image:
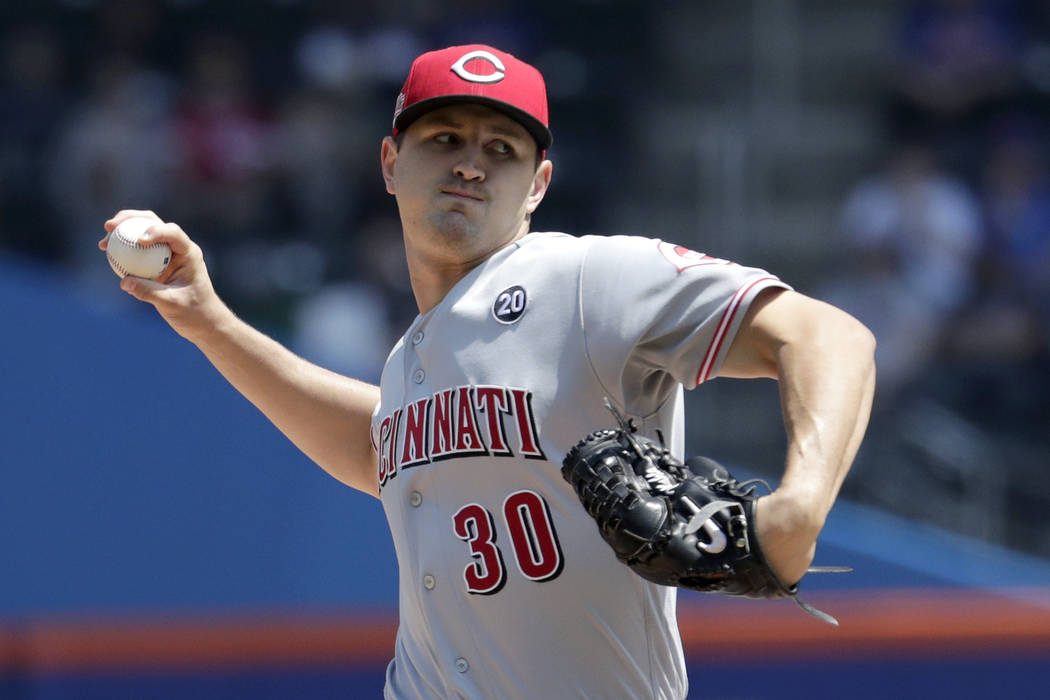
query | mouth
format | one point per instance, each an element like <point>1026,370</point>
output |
<point>463,195</point>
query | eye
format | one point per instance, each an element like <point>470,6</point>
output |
<point>446,138</point>
<point>502,148</point>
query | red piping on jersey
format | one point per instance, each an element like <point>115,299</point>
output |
<point>723,327</point>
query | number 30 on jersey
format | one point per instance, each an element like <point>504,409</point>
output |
<point>533,542</point>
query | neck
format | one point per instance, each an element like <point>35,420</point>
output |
<point>434,273</point>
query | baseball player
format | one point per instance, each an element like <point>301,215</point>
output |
<point>506,588</point>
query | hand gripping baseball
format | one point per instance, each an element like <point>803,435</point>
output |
<point>690,525</point>
<point>183,293</point>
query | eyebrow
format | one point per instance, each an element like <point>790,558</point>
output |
<point>493,125</point>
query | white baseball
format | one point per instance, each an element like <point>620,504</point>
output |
<point>127,257</point>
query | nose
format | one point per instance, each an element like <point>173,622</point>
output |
<point>468,169</point>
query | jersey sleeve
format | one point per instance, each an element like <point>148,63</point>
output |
<point>656,314</point>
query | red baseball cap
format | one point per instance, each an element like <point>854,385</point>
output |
<point>479,74</point>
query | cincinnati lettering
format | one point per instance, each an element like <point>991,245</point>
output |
<point>463,421</point>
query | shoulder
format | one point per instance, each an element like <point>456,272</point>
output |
<point>643,256</point>
<point>539,241</point>
<point>561,251</point>
<point>589,244</point>
<point>548,251</point>
<point>555,240</point>
<point>620,242</point>
<point>653,256</point>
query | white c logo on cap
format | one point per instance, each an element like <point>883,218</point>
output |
<point>458,68</point>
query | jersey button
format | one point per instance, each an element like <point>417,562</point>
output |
<point>429,582</point>
<point>462,665</point>
<point>418,376</point>
<point>417,338</point>
<point>415,498</point>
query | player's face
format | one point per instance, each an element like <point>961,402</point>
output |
<point>466,179</point>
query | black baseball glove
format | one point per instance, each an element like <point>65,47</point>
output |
<point>690,525</point>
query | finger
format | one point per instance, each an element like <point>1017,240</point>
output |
<point>179,268</point>
<point>142,289</point>
<point>104,243</point>
<point>112,223</point>
<point>169,233</point>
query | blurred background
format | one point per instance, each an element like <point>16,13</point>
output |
<point>159,539</point>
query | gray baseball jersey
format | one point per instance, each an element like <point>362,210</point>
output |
<point>506,588</point>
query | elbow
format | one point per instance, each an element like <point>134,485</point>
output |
<point>859,342</point>
<point>836,334</point>
<point>863,341</point>
<point>807,329</point>
<point>869,342</point>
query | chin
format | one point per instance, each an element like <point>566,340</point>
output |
<point>454,227</point>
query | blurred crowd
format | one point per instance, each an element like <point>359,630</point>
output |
<point>256,125</point>
<point>254,128</point>
<point>948,250</point>
<point>949,241</point>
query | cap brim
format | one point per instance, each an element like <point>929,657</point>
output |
<point>536,129</point>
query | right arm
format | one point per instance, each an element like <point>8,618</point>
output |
<point>326,415</point>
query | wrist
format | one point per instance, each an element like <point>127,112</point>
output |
<point>211,326</point>
<point>795,512</point>
<point>787,534</point>
<point>807,497</point>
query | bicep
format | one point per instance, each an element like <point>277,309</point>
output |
<point>361,466</point>
<point>335,429</point>
<point>752,354</point>
<point>779,317</point>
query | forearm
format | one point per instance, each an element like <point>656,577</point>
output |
<point>325,414</point>
<point>827,380</point>
<point>823,360</point>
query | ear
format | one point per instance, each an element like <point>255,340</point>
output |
<point>540,182</point>
<point>388,156</point>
